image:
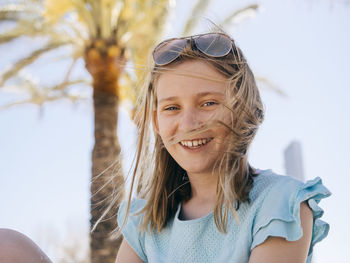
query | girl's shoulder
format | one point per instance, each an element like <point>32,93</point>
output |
<point>136,205</point>
<point>129,221</point>
<point>276,200</point>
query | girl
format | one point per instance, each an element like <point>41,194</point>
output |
<point>201,201</point>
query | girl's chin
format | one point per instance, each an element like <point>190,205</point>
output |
<point>190,169</point>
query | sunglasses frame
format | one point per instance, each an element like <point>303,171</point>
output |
<point>192,40</point>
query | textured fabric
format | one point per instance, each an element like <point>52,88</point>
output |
<point>273,211</point>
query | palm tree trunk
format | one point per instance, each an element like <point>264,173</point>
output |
<point>106,152</point>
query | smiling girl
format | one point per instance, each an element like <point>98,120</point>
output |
<point>199,200</point>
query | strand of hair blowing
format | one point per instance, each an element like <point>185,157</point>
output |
<point>167,178</point>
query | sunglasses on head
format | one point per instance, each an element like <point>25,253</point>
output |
<point>211,44</point>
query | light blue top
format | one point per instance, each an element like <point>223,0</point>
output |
<point>273,211</point>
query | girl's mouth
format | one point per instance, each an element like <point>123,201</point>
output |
<point>195,143</point>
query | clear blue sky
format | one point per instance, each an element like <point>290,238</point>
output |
<point>301,46</point>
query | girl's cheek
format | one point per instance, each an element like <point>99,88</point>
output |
<point>165,123</point>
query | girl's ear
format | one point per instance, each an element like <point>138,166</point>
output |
<point>155,121</point>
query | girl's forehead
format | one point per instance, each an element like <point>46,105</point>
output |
<point>190,77</point>
<point>196,68</point>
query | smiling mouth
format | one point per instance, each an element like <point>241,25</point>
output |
<point>196,143</point>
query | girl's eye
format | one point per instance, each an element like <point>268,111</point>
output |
<point>210,103</point>
<point>171,108</point>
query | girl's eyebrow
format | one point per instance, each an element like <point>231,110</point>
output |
<point>199,95</point>
<point>168,99</point>
<point>205,93</point>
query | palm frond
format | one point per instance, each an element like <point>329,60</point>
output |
<point>63,91</point>
<point>140,34</point>
<point>39,95</point>
<point>101,11</point>
<point>22,28</point>
<point>106,8</point>
<point>74,29</point>
<point>196,14</point>
<point>115,13</point>
<point>94,8</point>
<point>76,54</point>
<point>16,103</point>
<point>86,15</point>
<point>13,12</point>
<point>239,15</point>
<point>20,64</point>
<point>54,10</point>
<point>65,84</point>
<point>69,72</point>
<point>32,29</point>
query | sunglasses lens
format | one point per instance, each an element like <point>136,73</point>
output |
<point>168,51</point>
<point>214,45</point>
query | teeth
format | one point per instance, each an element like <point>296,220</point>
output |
<point>195,143</point>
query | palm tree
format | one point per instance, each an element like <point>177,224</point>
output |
<point>107,35</point>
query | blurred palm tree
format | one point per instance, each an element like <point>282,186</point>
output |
<point>107,35</point>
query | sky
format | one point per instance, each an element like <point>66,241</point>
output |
<point>300,46</point>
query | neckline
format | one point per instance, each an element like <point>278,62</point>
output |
<point>191,221</point>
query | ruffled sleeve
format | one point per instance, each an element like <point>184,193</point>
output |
<point>130,231</point>
<point>279,214</point>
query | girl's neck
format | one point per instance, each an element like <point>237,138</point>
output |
<point>203,187</point>
<point>203,196</point>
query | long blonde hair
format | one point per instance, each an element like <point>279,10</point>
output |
<point>159,178</point>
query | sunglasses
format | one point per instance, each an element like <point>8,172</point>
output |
<point>211,44</point>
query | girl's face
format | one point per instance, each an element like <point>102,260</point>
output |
<point>186,103</point>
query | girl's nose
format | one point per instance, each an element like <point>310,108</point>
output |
<point>189,121</point>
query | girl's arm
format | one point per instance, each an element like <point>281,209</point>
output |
<point>126,254</point>
<point>16,247</point>
<point>278,249</point>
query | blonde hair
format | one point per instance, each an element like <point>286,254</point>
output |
<point>160,179</point>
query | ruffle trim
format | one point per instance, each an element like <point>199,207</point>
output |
<point>289,225</point>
